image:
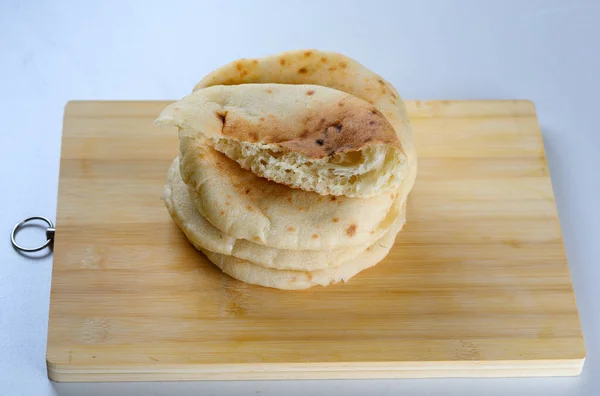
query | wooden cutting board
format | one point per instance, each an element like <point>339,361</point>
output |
<point>477,284</point>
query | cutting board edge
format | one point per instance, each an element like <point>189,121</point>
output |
<point>279,371</point>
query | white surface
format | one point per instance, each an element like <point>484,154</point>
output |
<point>51,52</point>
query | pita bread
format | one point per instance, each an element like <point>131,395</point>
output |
<point>328,69</point>
<point>246,206</point>
<point>305,136</point>
<point>295,280</point>
<point>205,236</point>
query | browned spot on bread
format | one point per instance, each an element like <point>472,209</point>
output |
<point>282,62</point>
<point>310,92</point>
<point>300,209</point>
<point>319,142</point>
<point>256,238</point>
<point>392,196</point>
<point>289,199</point>
<point>309,275</point>
<point>351,231</point>
<point>247,191</point>
<point>222,213</point>
<point>227,204</point>
<point>253,136</point>
<point>307,53</point>
<point>238,66</point>
<point>336,220</point>
<point>255,61</point>
<point>244,73</point>
<point>343,65</point>
<point>315,236</point>
<point>380,81</point>
<point>372,232</point>
<point>369,248</point>
<point>332,68</point>
<point>303,70</point>
<point>291,229</point>
<point>304,133</point>
<point>371,123</point>
<point>262,118</point>
<point>333,198</point>
<point>323,59</point>
<point>294,278</point>
<point>249,208</point>
<point>341,104</point>
<point>222,116</point>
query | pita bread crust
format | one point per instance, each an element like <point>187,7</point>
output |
<point>205,236</point>
<point>296,280</point>
<point>312,120</point>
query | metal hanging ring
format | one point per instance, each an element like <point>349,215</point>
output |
<point>49,234</point>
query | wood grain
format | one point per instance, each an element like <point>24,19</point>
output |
<point>477,284</point>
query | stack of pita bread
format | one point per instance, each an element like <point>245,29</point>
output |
<point>293,169</point>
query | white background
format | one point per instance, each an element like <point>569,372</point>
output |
<point>55,51</point>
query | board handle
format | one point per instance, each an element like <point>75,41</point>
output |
<point>50,232</point>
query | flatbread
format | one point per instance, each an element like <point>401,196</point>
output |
<point>331,70</point>
<point>304,136</point>
<point>295,280</point>
<point>207,237</point>
<point>245,206</point>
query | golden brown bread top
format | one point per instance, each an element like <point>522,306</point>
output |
<point>312,120</point>
<point>305,67</point>
<point>325,68</point>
